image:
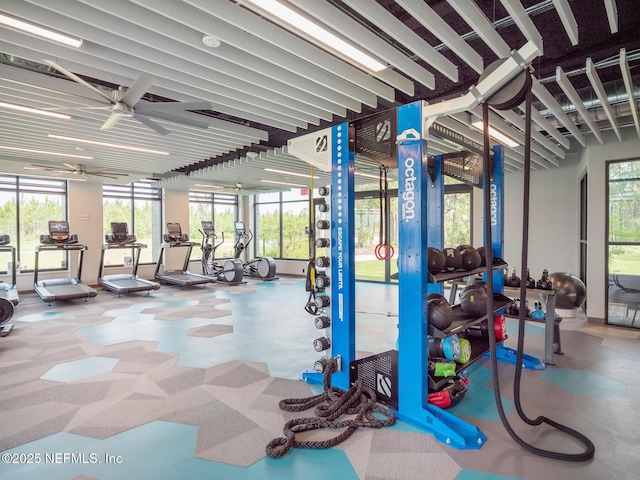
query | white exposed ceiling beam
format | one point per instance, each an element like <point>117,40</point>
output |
<point>521,18</point>
<point>628,85</point>
<point>519,122</point>
<point>572,95</point>
<point>477,20</point>
<point>612,14</point>
<point>547,126</point>
<point>79,18</point>
<point>513,133</point>
<point>380,16</point>
<point>452,123</point>
<point>186,43</point>
<point>568,19</point>
<point>597,86</point>
<point>243,42</point>
<point>360,35</point>
<point>545,97</point>
<point>249,22</point>
<point>432,21</point>
<point>114,71</point>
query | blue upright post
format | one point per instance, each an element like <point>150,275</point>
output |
<point>343,279</point>
<point>497,211</point>
<point>412,264</point>
<point>496,208</point>
<point>419,202</point>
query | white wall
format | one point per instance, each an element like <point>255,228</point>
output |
<point>553,219</point>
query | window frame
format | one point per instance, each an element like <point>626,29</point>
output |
<point>19,184</point>
<point>142,190</point>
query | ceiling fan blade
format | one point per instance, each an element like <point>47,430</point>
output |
<point>114,176</point>
<point>137,89</point>
<point>71,167</point>
<point>46,168</point>
<point>171,107</point>
<point>64,109</point>
<point>151,124</point>
<point>76,78</point>
<point>111,121</point>
<point>174,118</point>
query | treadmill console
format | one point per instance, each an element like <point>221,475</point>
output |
<point>5,239</point>
<point>174,234</point>
<point>58,234</point>
<point>120,234</point>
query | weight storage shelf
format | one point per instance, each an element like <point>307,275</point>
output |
<point>498,264</point>
<point>462,320</point>
<point>479,347</point>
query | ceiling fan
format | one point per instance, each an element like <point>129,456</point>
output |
<point>77,169</point>
<point>124,102</point>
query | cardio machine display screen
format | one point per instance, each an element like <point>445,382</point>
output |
<point>239,227</point>
<point>58,229</point>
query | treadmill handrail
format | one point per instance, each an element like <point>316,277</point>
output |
<point>79,247</point>
<point>120,246</point>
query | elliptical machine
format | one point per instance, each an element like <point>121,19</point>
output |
<point>261,267</point>
<point>232,271</point>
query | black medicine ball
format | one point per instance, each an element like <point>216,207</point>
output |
<point>436,260</point>
<point>470,258</point>
<point>483,255</point>
<point>440,312</point>
<point>473,300</point>
<point>453,259</point>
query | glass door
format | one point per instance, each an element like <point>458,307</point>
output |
<point>623,243</point>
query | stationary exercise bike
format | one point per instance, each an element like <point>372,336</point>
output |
<point>261,267</point>
<point>232,271</point>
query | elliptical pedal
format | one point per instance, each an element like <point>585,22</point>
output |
<point>6,329</point>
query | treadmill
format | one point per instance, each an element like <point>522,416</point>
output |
<point>9,291</point>
<point>174,238</point>
<point>125,282</point>
<point>56,289</point>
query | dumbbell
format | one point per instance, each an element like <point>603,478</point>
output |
<point>482,330</point>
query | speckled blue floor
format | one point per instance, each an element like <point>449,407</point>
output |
<point>185,384</point>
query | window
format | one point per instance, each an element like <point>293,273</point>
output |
<point>281,220</point>
<point>26,206</point>
<point>623,242</point>
<point>222,210</point>
<point>457,213</point>
<point>139,204</point>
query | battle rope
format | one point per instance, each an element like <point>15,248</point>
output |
<point>589,451</point>
<point>360,400</point>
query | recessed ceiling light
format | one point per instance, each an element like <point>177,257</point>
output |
<point>496,135</point>
<point>105,144</point>
<point>40,31</point>
<point>273,170</point>
<point>211,41</point>
<point>321,34</point>
<point>22,108</point>
<point>44,152</point>
<point>284,183</point>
